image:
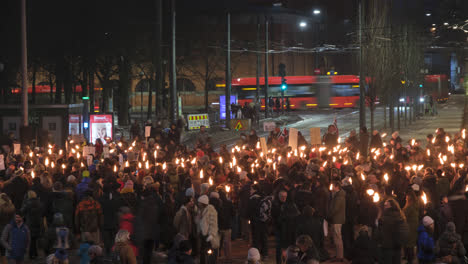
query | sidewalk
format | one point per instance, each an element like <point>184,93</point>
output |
<point>451,117</point>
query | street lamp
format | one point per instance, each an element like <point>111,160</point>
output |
<point>303,24</point>
<point>446,24</point>
<point>316,11</point>
<point>428,14</point>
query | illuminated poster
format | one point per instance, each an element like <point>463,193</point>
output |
<point>222,106</point>
<point>100,127</point>
<point>75,125</point>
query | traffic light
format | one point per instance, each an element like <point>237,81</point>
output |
<point>420,85</point>
<point>284,85</point>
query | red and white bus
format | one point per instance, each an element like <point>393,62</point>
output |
<point>303,92</point>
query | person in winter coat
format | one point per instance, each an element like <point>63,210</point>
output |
<point>411,211</point>
<point>363,141</point>
<point>392,221</point>
<point>367,215</point>
<point>259,227</point>
<point>128,195</point>
<point>225,217</point>
<point>7,212</point>
<point>208,230</point>
<point>58,236</point>
<point>123,249</point>
<point>351,213</point>
<point>284,214</point>
<point>426,245</point>
<point>376,140</point>
<point>309,253</point>
<point>16,239</point>
<point>33,211</point>
<point>60,202</point>
<point>110,202</point>
<point>310,224</point>
<point>364,248</point>
<point>183,220</point>
<point>88,217</point>
<point>148,222</point>
<point>83,186</point>
<point>16,188</point>
<point>337,217</point>
<point>450,247</point>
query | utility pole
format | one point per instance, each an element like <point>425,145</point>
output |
<point>24,65</point>
<point>258,103</point>
<point>228,70</point>
<point>362,89</point>
<point>158,58</point>
<point>266,67</point>
<point>174,114</point>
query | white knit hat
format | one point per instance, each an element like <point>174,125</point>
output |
<point>253,255</point>
<point>427,221</point>
<point>204,199</point>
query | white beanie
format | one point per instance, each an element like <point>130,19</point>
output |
<point>253,255</point>
<point>214,195</point>
<point>415,187</point>
<point>427,221</point>
<point>190,192</point>
<point>203,199</point>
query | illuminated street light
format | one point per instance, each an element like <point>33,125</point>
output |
<point>317,12</point>
<point>446,24</point>
<point>303,24</point>
<point>428,14</point>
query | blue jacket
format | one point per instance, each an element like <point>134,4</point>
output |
<point>16,240</point>
<point>82,187</point>
<point>83,253</point>
<point>426,245</point>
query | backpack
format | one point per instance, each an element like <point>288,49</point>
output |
<point>65,207</point>
<point>265,209</point>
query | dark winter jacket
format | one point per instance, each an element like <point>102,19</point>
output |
<point>459,207</point>
<point>110,203</point>
<point>303,198</point>
<point>16,240</point>
<point>16,190</point>
<point>226,214</point>
<point>368,212</point>
<point>284,217</point>
<point>389,227</point>
<point>33,211</point>
<point>337,213</point>
<point>450,243</point>
<point>364,249</point>
<point>61,202</point>
<point>311,226</point>
<point>376,141</point>
<point>412,218</point>
<point>149,216</point>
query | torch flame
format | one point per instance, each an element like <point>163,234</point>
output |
<point>376,197</point>
<point>228,188</point>
<point>201,174</point>
<point>386,177</point>
<point>424,198</point>
<point>370,192</point>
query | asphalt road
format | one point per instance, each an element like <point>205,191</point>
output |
<point>449,117</point>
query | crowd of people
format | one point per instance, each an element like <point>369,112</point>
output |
<point>367,199</point>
